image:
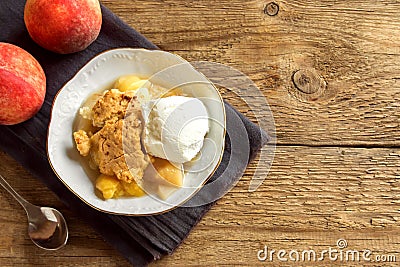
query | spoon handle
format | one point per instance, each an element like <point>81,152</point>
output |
<point>11,190</point>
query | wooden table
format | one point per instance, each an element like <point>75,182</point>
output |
<point>330,71</point>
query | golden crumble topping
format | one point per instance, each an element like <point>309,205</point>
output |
<point>105,147</point>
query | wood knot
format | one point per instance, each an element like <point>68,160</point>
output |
<point>271,9</point>
<point>308,81</point>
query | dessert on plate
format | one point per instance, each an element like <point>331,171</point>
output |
<point>138,136</point>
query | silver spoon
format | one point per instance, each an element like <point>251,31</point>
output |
<point>47,227</point>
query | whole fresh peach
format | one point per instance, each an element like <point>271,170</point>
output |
<point>22,85</point>
<point>63,26</point>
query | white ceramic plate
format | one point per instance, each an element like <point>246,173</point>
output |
<point>168,70</point>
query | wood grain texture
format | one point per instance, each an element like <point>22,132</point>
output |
<point>310,199</point>
<point>353,45</point>
<point>336,168</point>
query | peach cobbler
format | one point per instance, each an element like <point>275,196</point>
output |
<point>100,138</point>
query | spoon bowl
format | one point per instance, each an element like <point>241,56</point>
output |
<point>47,227</point>
<point>49,230</point>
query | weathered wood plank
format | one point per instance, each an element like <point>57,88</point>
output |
<point>353,45</point>
<point>311,197</point>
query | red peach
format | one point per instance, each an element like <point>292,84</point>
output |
<point>22,85</point>
<point>63,26</point>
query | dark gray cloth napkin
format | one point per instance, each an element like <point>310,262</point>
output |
<point>139,239</point>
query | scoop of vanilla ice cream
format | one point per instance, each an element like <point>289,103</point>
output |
<point>175,127</point>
